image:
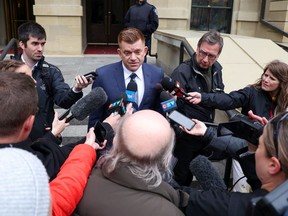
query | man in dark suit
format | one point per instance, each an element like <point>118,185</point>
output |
<point>114,78</point>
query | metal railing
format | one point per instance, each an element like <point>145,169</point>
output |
<point>12,44</point>
<point>267,23</point>
<point>185,47</point>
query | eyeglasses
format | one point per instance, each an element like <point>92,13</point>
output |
<point>276,125</point>
<point>203,54</point>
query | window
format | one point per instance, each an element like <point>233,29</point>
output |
<point>211,14</point>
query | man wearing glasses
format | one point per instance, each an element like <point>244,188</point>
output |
<point>201,73</point>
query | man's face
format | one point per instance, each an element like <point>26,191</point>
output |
<point>132,55</point>
<point>207,54</point>
<point>34,48</point>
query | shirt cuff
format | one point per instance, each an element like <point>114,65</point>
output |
<point>75,90</point>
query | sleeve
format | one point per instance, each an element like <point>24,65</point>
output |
<point>67,188</point>
<point>226,144</point>
<point>153,21</point>
<point>99,113</point>
<point>208,202</point>
<point>127,19</point>
<point>224,101</point>
<point>63,94</point>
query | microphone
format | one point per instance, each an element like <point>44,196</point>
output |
<point>131,92</point>
<point>206,174</point>
<point>86,105</point>
<point>118,107</point>
<point>173,87</point>
<point>168,103</point>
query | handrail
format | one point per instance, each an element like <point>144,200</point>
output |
<point>12,43</point>
<point>267,23</point>
<point>184,45</point>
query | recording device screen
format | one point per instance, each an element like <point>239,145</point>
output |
<point>100,133</point>
<point>181,119</point>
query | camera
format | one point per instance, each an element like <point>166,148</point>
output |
<point>241,126</point>
<point>274,203</point>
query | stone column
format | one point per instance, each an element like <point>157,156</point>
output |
<point>63,22</point>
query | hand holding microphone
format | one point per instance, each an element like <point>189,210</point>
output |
<point>86,105</point>
<point>174,88</point>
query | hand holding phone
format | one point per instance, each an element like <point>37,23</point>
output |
<point>181,119</point>
<point>91,75</point>
<point>100,133</point>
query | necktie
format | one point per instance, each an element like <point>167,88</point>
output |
<point>135,89</point>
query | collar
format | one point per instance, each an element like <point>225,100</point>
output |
<point>33,67</point>
<point>123,176</point>
<point>21,145</point>
<point>127,72</point>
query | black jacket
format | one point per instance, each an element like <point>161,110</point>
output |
<point>144,17</point>
<point>51,89</point>
<point>192,80</point>
<point>220,203</point>
<point>47,149</point>
<point>248,98</point>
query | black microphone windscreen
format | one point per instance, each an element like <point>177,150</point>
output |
<point>206,174</point>
<point>132,86</point>
<point>86,105</point>
<point>158,87</point>
<point>168,83</point>
<point>164,96</point>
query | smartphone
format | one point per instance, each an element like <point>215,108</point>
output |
<point>100,132</point>
<point>181,119</point>
<point>91,75</point>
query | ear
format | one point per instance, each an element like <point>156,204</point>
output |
<point>145,50</point>
<point>21,45</point>
<point>27,127</point>
<point>119,51</point>
<point>274,166</point>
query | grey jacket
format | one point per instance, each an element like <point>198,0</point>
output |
<point>121,193</point>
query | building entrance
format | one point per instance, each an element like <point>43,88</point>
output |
<point>105,20</point>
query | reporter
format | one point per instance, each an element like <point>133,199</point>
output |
<point>271,167</point>
<point>266,98</point>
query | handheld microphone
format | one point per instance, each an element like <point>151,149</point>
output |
<point>86,105</point>
<point>131,92</point>
<point>118,107</point>
<point>168,103</point>
<point>206,174</point>
<point>173,87</point>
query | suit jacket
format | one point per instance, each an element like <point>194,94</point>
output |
<point>111,79</point>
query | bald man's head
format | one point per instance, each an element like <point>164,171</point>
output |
<point>145,135</point>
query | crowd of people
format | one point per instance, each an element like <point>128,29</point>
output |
<point>141,165</point>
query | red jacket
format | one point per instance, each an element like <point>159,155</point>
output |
<point>67,188</point>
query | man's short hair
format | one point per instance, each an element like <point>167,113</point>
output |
<point>30,29</point>
<point>212,37</point>
<point>130,35</point>
<point>18,101</point>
